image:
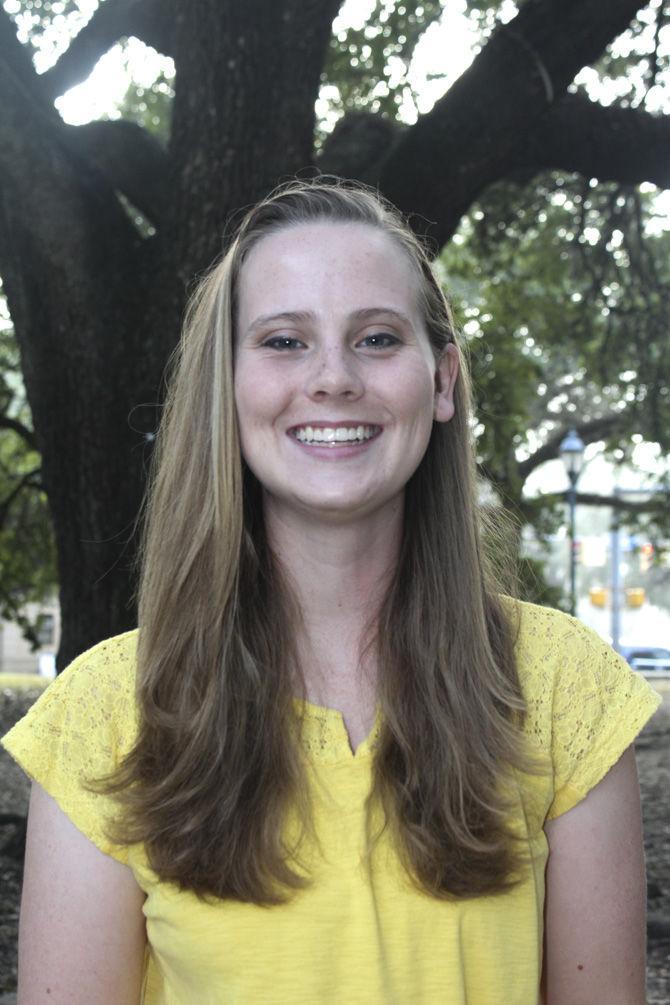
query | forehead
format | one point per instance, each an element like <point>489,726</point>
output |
<point>320,264</point>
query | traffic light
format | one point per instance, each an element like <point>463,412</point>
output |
<point>646,556</point>
<point>635,597</point>
<point>598,595</point>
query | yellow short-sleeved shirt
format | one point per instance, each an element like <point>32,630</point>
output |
<point>360,936</point>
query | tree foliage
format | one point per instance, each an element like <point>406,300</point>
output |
<point>566,278</point>
<point>27,552</point>
<point>367,67</point>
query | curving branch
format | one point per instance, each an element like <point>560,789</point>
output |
<point>450,155</point>
<point>16,58</point>
<point>618,503</point>
<point>130,158</point>
<point>615,503</point>
<point>50,197</point>
<point>590,432</point>
<point>26,434</point>
<point>358,144</point>
<point>151,21</point>
<point>627,145</point>
<point>45,152</point>
<point>26,481</point>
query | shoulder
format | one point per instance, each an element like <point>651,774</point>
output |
<point>79,730</point>
<point>545,632</point>
<point>112,662</point>
<point>102,678</point>
<point>553,649</point>
<point>584,704</point>
<point>92,700</point>
<point>572,680</point>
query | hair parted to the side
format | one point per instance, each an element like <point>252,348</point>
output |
<point>218,765</point>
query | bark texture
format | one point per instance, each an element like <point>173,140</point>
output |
<point>97,306</point>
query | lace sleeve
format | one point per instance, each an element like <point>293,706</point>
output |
<point>78,730</point>
<point>599,707</point>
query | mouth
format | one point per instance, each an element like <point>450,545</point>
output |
<point>339,435</point>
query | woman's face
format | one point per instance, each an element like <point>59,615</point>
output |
<point>336,384</point>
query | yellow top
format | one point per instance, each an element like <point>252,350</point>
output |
<point>360,936</point>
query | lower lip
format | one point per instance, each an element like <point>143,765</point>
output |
<point>338,452</point>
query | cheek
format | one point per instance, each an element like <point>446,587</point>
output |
<point>243,397</point>
<point>250,390</point>
<point>260,398</point>
<point>416,392</point>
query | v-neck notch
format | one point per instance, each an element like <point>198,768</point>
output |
<point>325,735</point>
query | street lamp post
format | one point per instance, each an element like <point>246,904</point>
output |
<point>571,452</point>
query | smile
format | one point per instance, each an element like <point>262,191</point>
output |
<point>333,436</point>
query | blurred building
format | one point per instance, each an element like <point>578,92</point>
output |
<point>16,655</point>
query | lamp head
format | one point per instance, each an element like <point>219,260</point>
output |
<point>571,452</point>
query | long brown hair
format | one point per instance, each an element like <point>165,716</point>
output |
<point>218,763</point>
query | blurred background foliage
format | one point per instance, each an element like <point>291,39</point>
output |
<point>27,551</point>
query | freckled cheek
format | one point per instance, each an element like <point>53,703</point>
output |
<point>259,401</point>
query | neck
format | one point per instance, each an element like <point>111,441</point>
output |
<point>339,572</point>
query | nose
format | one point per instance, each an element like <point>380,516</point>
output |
<point>335,372</point>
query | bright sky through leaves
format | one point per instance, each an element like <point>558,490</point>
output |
<point>444,52</point>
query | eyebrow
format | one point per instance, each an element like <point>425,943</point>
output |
<point>296,317</point>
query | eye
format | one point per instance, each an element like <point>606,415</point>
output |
<point>283,343</point>
<point>379,340</point>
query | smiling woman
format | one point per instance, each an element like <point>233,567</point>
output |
<point>336,764</point>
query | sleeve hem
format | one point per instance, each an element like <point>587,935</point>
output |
<point>605,753</point>
<point>68,806</point>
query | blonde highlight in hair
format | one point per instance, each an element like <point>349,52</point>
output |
<point>218,767</point>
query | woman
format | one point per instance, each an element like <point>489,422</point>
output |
<point>344,763</point>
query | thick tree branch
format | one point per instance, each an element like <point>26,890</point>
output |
<point>590,432</point>
<point>357,145</point>
<point>6,504</point>
<point>149,20</point>
<point>27,435</point>
<point>130,158</point>
<point>618,503</point>
<point>16,58</point>
<point>46,191</point>
<point>451,154</point>
<point>71,260</point>
<point>612,144</point>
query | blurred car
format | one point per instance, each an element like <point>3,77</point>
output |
<point>647,659</point>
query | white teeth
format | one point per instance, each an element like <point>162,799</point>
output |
<point>332,435</point>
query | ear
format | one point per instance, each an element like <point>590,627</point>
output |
<point>445,381</point>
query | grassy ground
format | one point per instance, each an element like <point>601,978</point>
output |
<point>22,681</point>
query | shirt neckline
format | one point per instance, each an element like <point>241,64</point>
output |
<point>325,736</point>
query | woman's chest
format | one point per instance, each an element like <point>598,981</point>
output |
<point>360,932</point>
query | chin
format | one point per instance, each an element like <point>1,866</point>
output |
<point>339,508</point>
